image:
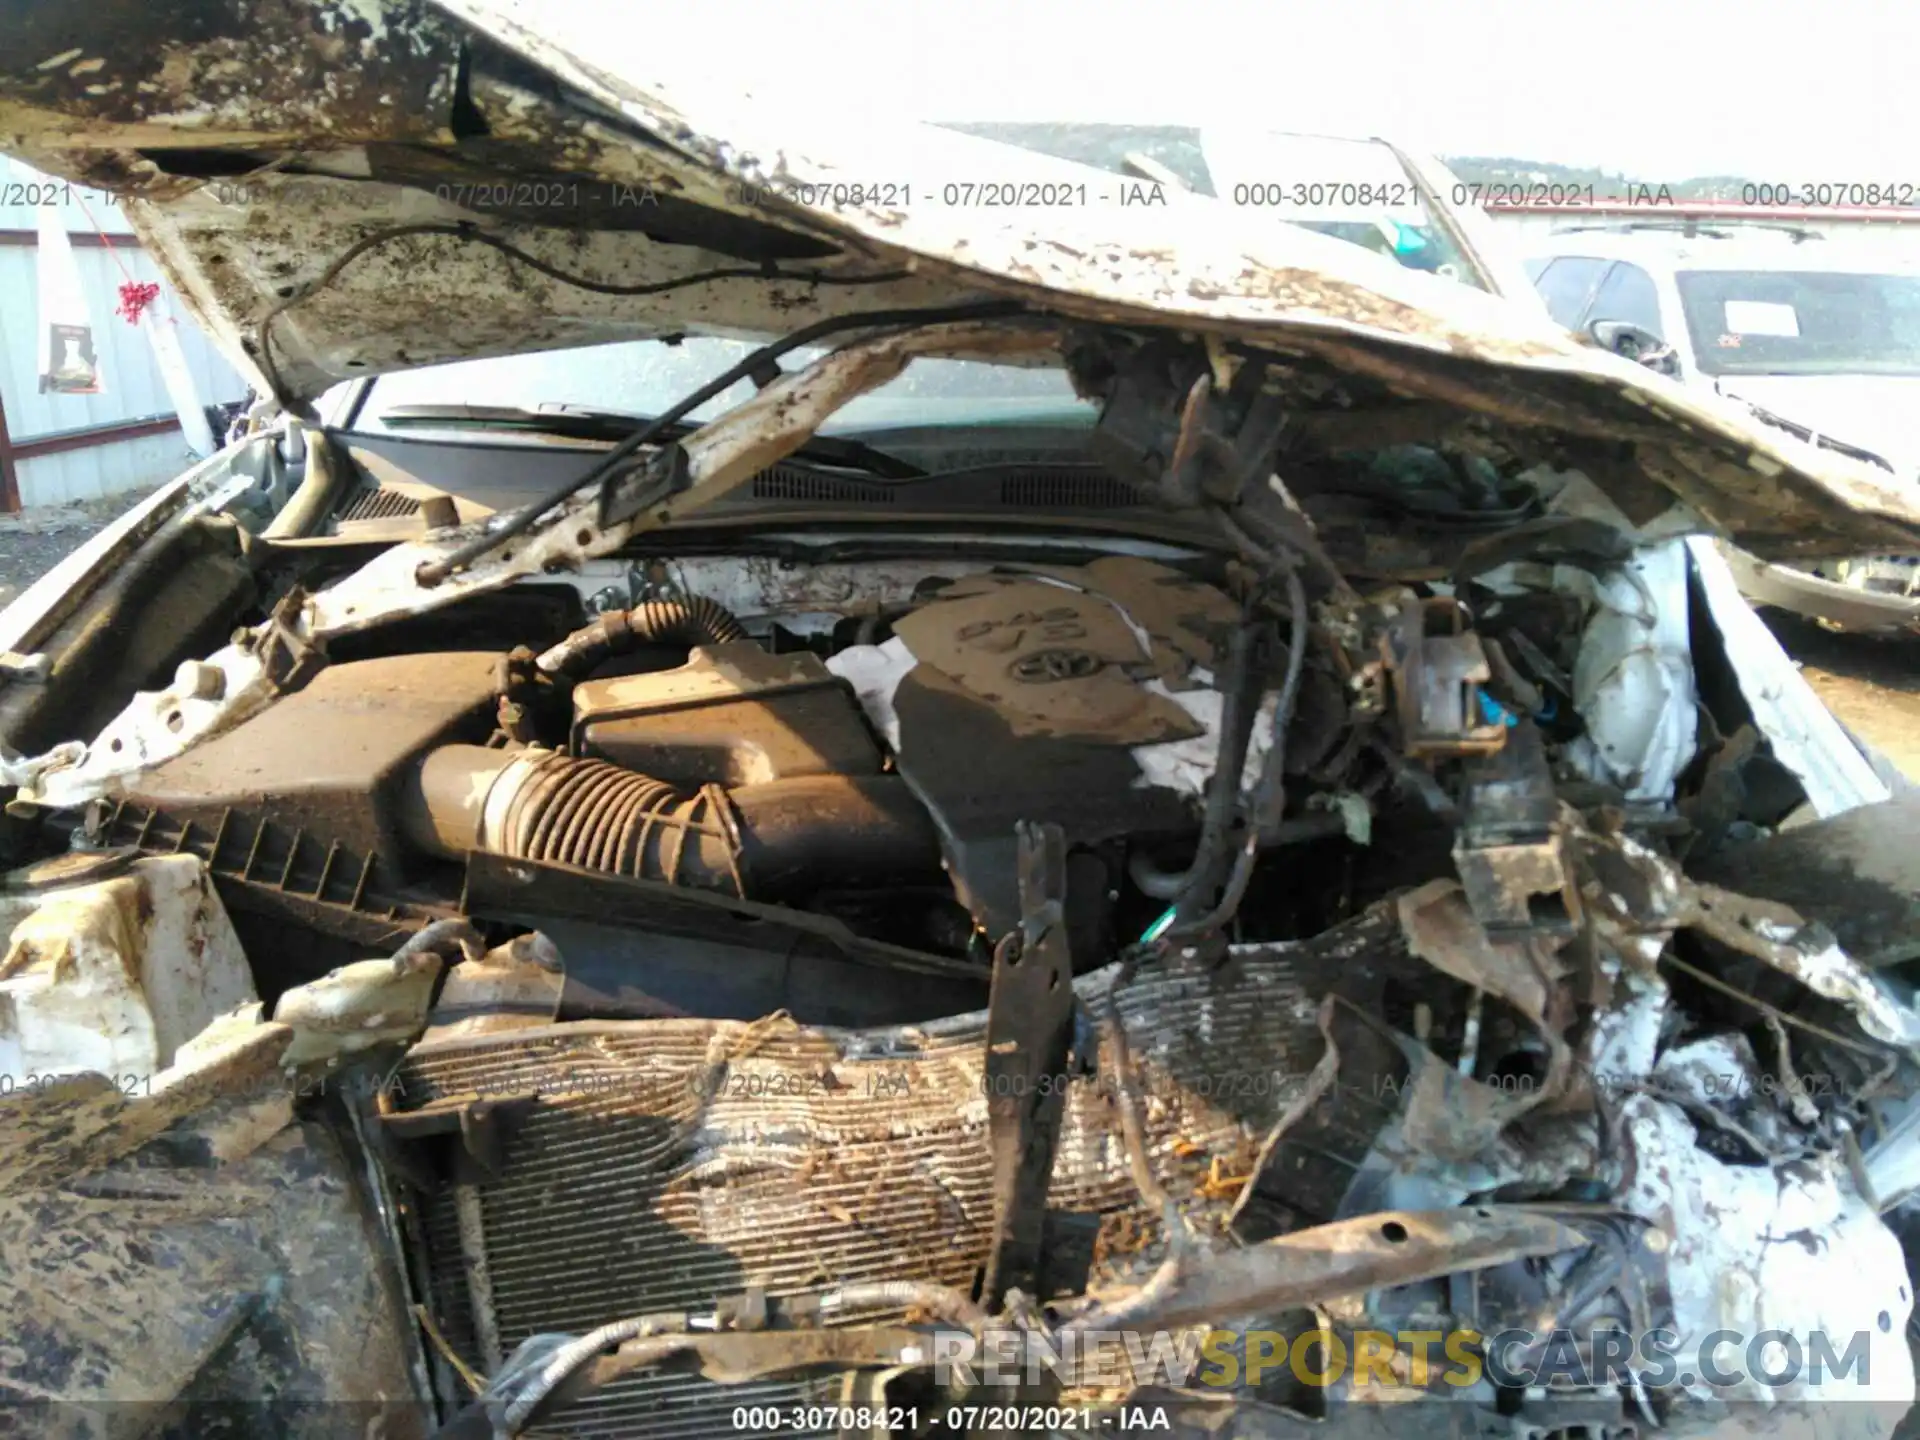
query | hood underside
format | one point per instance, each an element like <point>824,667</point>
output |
<point>339,188</point>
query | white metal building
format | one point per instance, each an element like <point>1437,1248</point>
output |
<point>58,448</point>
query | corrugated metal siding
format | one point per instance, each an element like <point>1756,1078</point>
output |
<point>100,470</point>
<point>19,185</point>
<point>134,389</point>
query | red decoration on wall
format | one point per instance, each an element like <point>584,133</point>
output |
<point>135,297</point>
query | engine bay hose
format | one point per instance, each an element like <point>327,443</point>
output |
<point>755,841</point>
<point>690,622</point>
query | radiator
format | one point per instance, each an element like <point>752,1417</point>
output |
<point>661,1165</point>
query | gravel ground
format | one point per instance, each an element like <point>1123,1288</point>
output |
<point>1873,685</point>
<point>33,542</point>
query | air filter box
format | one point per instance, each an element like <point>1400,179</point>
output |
<point>734,715</point>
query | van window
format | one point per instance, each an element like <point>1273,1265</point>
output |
<point>1565,285</point>
<point>1628,294</point>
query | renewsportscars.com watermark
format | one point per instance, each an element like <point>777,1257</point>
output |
<point>1422,1359</point>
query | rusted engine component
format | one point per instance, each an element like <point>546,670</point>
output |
<point>330,759</point>
<point>1437,667</point>
<point>694,621</point>
<point>734,714</point>
<point>1510,849</point>
<point>755,840</point>
<point>530,705</point>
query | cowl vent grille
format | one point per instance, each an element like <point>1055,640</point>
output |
<point>785,482</point>
<point>1067,490</point>
<point>380,504</point>
<point>1026,487</point>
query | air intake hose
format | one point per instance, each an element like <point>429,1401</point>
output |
<point>757,841</point>
<point>697,621</point>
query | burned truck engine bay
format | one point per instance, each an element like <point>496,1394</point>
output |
<point>754,971</point>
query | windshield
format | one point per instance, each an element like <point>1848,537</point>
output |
<point>1802,322</point>
<point>645,377</point>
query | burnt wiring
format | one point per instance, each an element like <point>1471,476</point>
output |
<point>1264,805</point>
<point>433,572</point>
<point>1240,711</point>
<point>466,231</point>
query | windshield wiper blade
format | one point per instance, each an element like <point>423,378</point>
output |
<point>1815,437</point>
<point>557,420</point>
<point>577,422</point>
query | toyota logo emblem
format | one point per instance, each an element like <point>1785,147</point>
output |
<point>1045,667</point>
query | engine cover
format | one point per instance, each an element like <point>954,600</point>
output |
<point>1062,694</point>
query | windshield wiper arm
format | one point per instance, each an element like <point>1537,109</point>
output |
<point>434,571</point>
<point>579,422</point>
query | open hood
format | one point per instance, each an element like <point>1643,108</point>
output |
<point>329,184</point>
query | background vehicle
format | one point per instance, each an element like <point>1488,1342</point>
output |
<point>1819,337</point>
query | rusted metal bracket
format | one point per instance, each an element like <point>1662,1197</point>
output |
<point>1029,1037</point>
<point>1341,1258</point>
<point>651,478</point>
<point>480,1125</point>
<point>1510,849</point>
<point>287,656</point>
<point>1438,667</point>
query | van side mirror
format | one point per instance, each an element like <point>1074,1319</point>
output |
<point>1631,342</point>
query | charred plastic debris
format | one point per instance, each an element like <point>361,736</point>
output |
<point>714,999</point>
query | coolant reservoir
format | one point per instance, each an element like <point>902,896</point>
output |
<point>112,965</point>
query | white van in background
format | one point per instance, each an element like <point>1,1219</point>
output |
<point>1820,336</point>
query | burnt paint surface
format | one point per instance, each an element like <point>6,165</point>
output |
<point>177,1293</point>
<point>232,70</point>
